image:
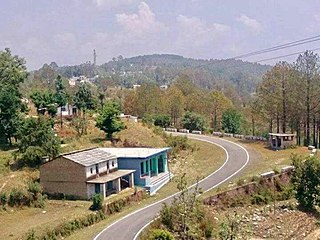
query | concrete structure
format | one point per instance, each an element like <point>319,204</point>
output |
<point>281,140</point>
<point>150,165</point>
<point>67,110</point>
<point>84,173</point>
<point>129,118</point>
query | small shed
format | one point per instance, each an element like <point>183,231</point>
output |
<point>281,140</point>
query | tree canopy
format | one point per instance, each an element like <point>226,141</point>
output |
<point>108,119</point>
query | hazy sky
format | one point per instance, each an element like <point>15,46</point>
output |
<point>67,31</point>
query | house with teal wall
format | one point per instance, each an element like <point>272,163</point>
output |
<point>150,165</point>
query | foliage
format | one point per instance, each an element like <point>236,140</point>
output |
<point>37,139</point>
<point>306,181</point>
<point>17,198</point>
<point>67,228</point>
<point>43,99</point>
<point>3,199</point>
<point>109,120</point>
<point>193,121</point>
<point>60,95</point>
<point>83,98</point>
<point>162,120</point>
<point>230,228</point>
<point>231,121</point>
<point>80,125</point>
<point>97,201</point>
<point>185,218</point>
<point>159,234</point>
<point>177,143</point>
<point>12,73</point>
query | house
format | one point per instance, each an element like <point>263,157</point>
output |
<point>67,110</point>
<point>150,165</point>
<point>83,173</point>
<point>281,140</point>
<point>129,118</point>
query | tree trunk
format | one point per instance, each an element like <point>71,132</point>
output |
<point>278,123</point>
<point>284,108</point>
<point>61,124</point>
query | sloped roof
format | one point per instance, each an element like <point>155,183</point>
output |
<point>89,157</point>
<point>134,152</point>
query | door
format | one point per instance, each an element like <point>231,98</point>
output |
<point>160,164</point>
<point>97,188</point>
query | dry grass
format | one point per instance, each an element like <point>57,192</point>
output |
<point>16,222</point>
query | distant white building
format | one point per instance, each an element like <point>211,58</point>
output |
<point>67,110</point>
<point>129,118</point>
<point>135,86</point>
<point>164,87</point>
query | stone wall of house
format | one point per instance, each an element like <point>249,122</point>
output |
<point>63,176</point>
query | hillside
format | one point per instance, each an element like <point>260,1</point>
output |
<point>163,69</point>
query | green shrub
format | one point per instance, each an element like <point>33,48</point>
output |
<point>31,235</point>
<point>162,120</point>
<point>17,198</point>
<point>160,234</point>
<point>166,216</point>
<point>3,199</point>
<point>262,197</point>
<point>97,201</point>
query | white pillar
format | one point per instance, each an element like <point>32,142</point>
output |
<point>131,180</point>
<point>103,189</point>
<point>118,185</point>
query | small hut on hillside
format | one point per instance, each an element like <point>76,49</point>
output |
<point>281,140</point>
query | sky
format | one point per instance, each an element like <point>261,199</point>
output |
<point>67,31</point>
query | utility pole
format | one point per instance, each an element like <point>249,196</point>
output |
<point>94,57</point>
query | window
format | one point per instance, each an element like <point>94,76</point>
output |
<point>91,170</point>
<point>97,168</point>
<point>63,109</point>
<point>141,168</point>
<point>112,163</point>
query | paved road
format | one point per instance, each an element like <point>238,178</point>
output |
<point>127,227</point>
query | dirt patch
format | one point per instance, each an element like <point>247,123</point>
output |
<point>286,222</point>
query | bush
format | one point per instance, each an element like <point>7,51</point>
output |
<point>17,198</point>
<point>306,181</point>
<point>193,121</point>
<point>262,197</point>
<point>162,120</point>
<point>32,157</point>
<point>166,216</point>
<point>3,199</point>
<point>160,234</point>
<point>97,201</point>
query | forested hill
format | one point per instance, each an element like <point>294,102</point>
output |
<point>164,68</point>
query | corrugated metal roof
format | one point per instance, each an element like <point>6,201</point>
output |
<point>134,152</point>
<point>89,157</point>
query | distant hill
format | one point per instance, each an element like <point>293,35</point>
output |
<point>164,68</point>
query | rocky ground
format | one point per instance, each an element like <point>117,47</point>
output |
<point>283,222</point>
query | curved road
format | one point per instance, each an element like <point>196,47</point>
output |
<point>237,157</point>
